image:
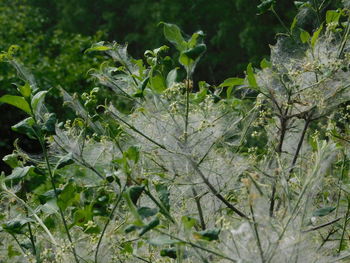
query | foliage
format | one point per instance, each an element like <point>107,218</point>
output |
<point>55,58</point>
<point>174,170</point>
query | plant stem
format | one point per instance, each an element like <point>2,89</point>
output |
<point>56,197</point>
<point>107,223</point>
<point>41,223</point>
<point>344,226</point>
<point>215,192</point>
<point>300,143</point>
<point>283,123</point>
<point>18,243</point>
<point>197,246</point>
<point>199,208</point>
<point>257,234</point>
<point>281,22</point>
<point>187,106</point>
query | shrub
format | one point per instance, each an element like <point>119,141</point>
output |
<point>176,170</point>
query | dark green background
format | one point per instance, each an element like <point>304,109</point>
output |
<point>54,34</point>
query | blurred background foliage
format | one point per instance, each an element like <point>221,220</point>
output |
<point>53,36</point>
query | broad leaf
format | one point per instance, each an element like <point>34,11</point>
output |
<point>26,127</point>
<point>145,212</point>
<point>315,36</point>
<point>162,241</point>
<point>173,34</point>
<point>154,223</point>
<point>304,36</point>
<point>25,90</point>
<point>64,161</point>
<point>98,47</point>
<point>38,99</point>
<point>163,194</point>
<point>251,77</point>
<point>324,211</point>
<point>168,252</point>
<point>135,192</point>
<point>20,172</point>
<point>230,82</point>
<point>15,226</point>
<point>17,101</point>
<point>208,234</point>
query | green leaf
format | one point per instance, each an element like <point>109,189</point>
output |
<point>171,79</point>
<point>208,234</point>
<point>185,61</point>
<point>15,226</point>
<point>20,172</point>
<point>64,161</point>
<point>26,127</point>
<point>38,99</point>
<point>231,82</point>
<point>131,228</point>
<point>155,222</point>
<point>266,6</point>
<point>300,4</point>
<point>133,154</point>
<point>17,101</point>
<point>49,124</point>
<point>304,36</point>
<point>145,212</point>
<point>82,216</point>
<point>324,211</point>
<point>332,16</point>
<point>162,241</point>
<point>141,87</point>
<point>49,195</point>
<point>195,39</point>
<point>188,222</point>
<point>12,252</point>
<point>315,36</point>
<point>196,52</point>
<point>25,90</point>
<point>294,23</point>
<point>163,194</point>
<point>11,160</point>
<point>135,192</point>
<point>67,195</point>
<point>168,252</point>
<point>251,77</point>
<point>98,47</point>
<point>173,34</point>
<point>265,64</point>
<point>200,96</point>
<point>157,81</point>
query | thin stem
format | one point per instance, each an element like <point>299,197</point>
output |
<point>255,227</point>
<point>283,130</point>
<point>137,131</point>
<point>340,179</point>
<point>300,143</point>
<point>281,22</point>
<point>18,243</point>
<point>199,208</point>
<point>323,225</point>
<point>187,106</point>
<point>40,222</point>
<point>344,226</point>
<point>56,197</point>
<point>345,38</point>
<point>197,246</point>
<point>215,192</point>
<point>317,12</point>
<point>107,223</point>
